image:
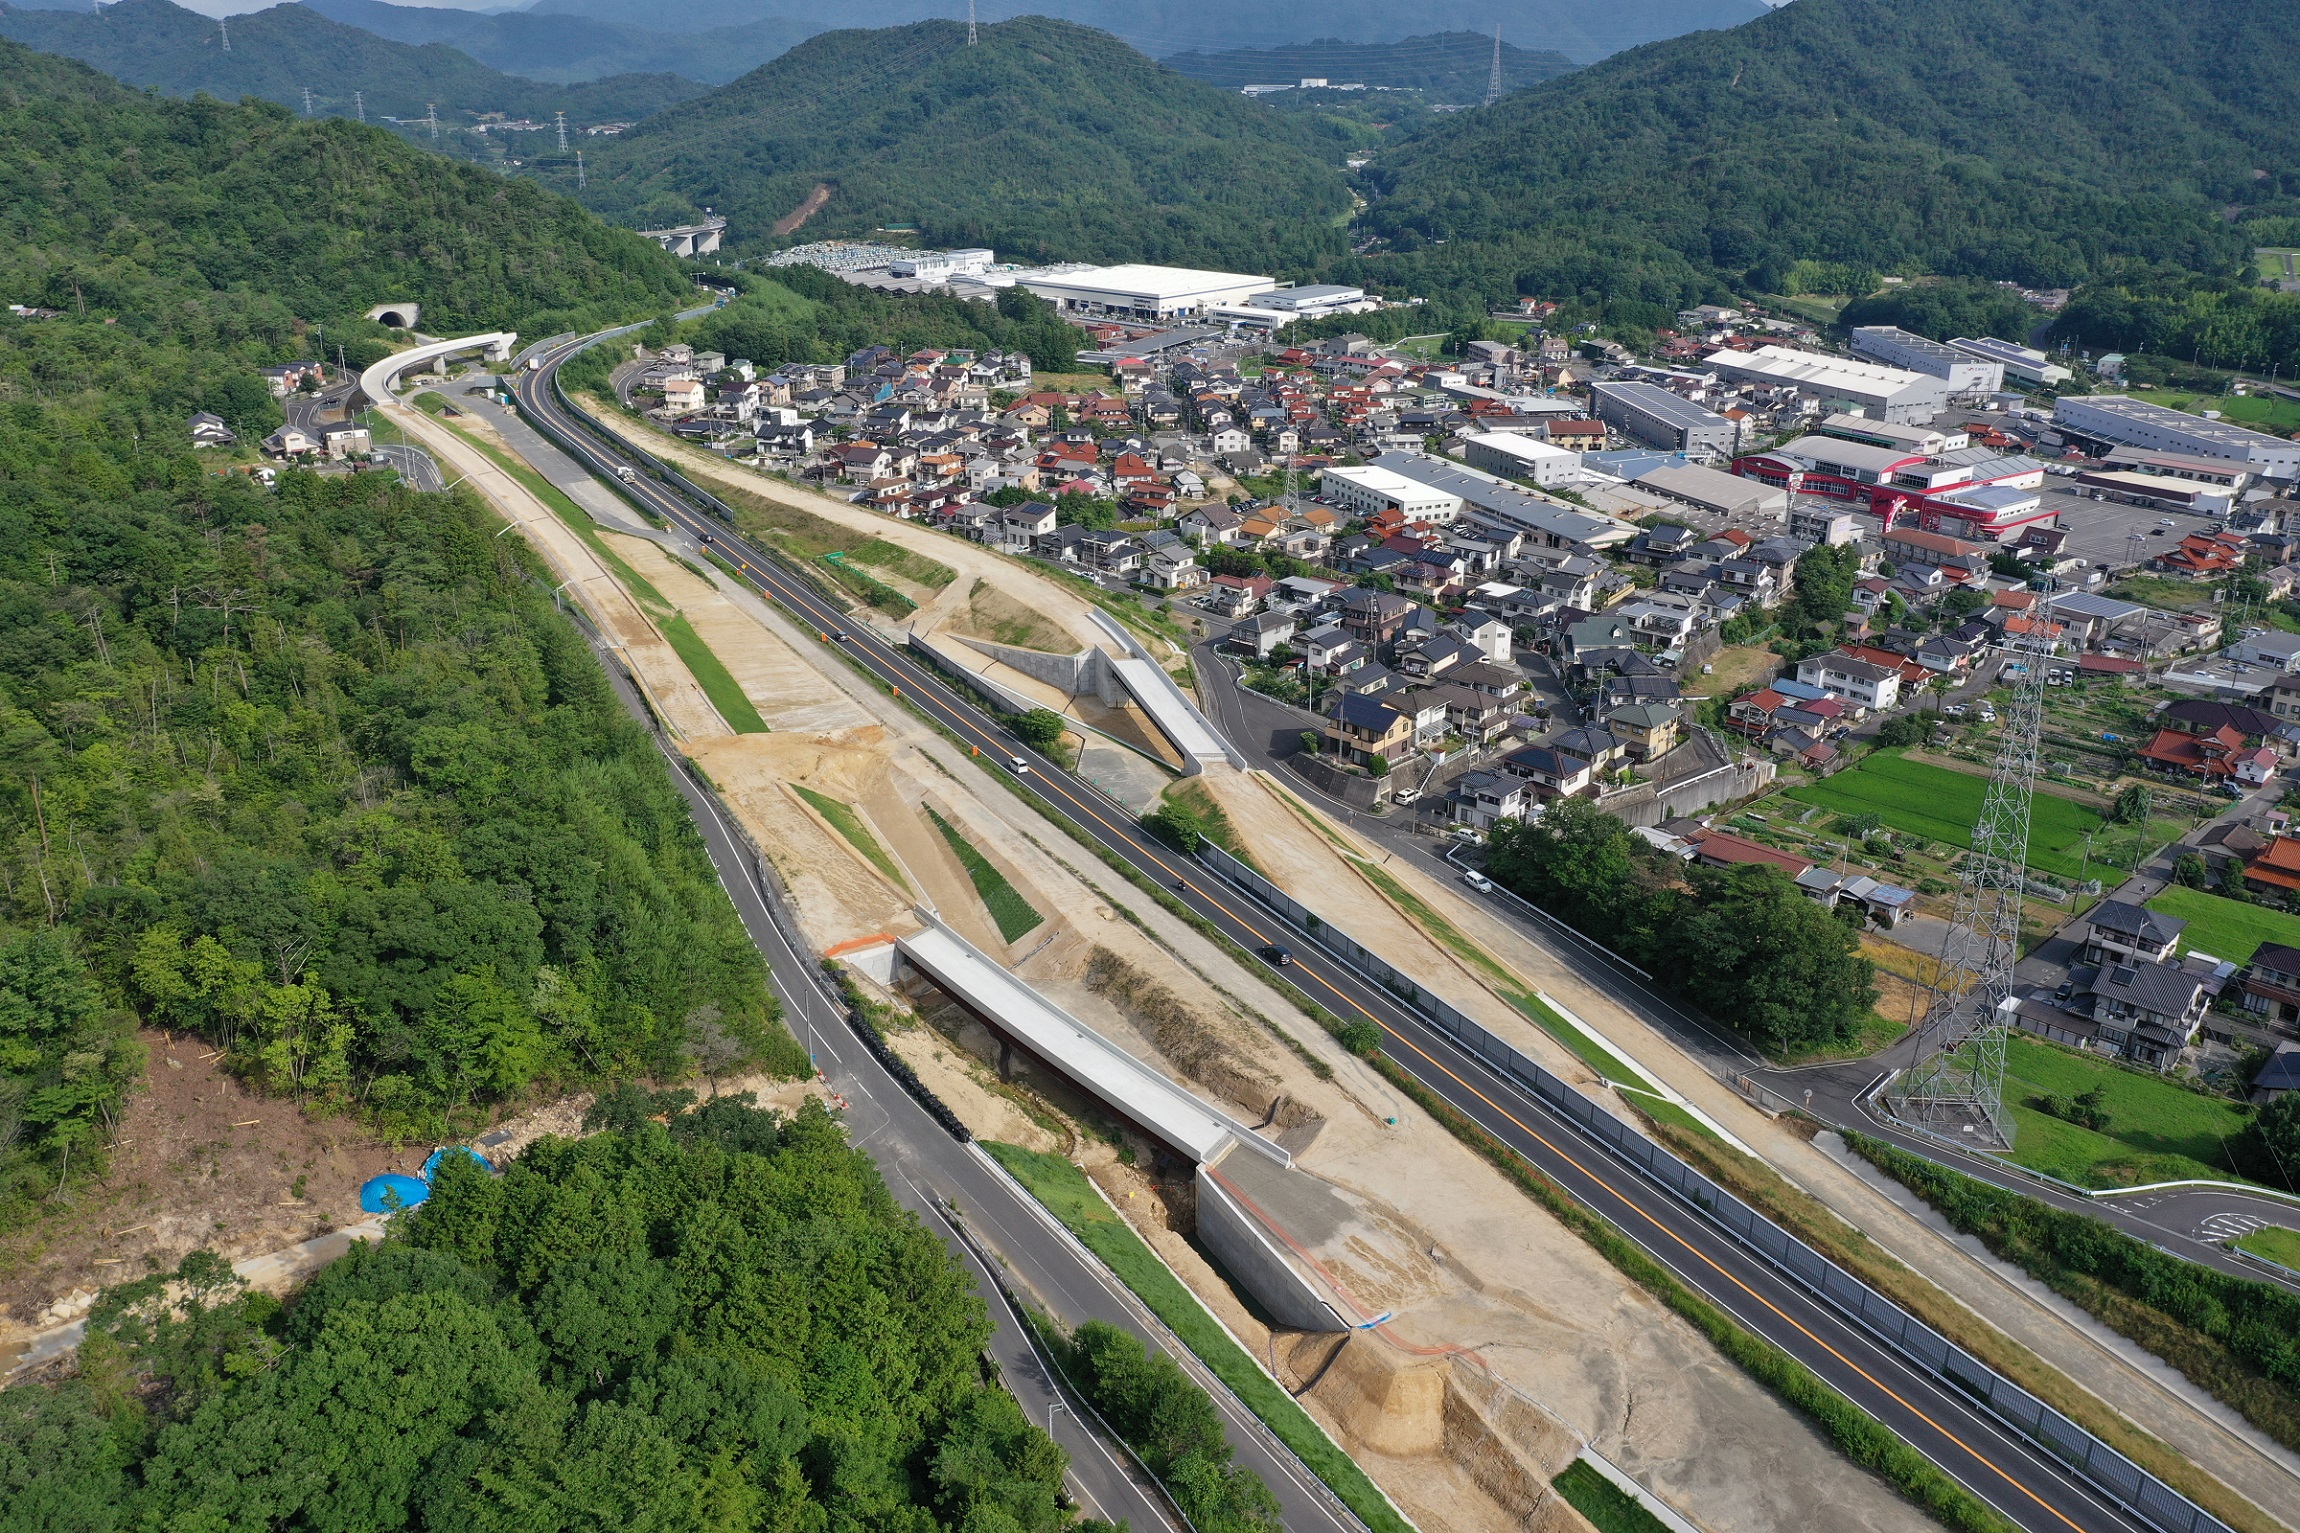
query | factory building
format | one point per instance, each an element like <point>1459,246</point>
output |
<point>2116,419</point>
<point>2025,363</point>
<point>1894,347</point>
<point>1840,384</point>
<point>1151,295</point>
<point>1659,418</point>
<point>1521,457</point>
<point>1371,491</point>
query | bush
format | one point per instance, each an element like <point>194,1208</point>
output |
<point>2189,870</point>
<point>1311,740</point>
<point>1176,826</point>
<point>1906,729</point>
<point>1360,1038</point>
<point>1378,765</point>
<point>1039,729</point>
<point>2085,1109</point>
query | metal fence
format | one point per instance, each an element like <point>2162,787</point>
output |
<point>2110,1471</point>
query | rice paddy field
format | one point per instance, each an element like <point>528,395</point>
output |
<point>1919,799</point>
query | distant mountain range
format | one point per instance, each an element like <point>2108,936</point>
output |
<point>1583,33</point>
<point>280,53</point>
<point>568,47</point>
<point>1046,141</point>
<point>1450,66</point>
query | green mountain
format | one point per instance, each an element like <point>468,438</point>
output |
<point>1047,140</point>
<point>2039,141</point>
<point>1450,66</point>
<point>280,53</point>
<point>236,224</point>
<point>539,47</point>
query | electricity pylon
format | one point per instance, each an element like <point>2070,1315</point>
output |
<point>970,23</point>
<point>359,104</point>
<point>562,132</point>
<point>1955,1087</point>
<point>1493,80</point>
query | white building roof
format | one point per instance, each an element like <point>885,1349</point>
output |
<point>1159,284</point>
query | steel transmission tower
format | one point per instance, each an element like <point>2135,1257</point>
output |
<point>431,116</point>
<point>1493,80</point>
<point>359,104</point>
<point>580,183</point>
<point>970,23</point>
<point>225,23</point>
<point>562,132</point>
<point>307,101</point>
<point>1955,1087</point>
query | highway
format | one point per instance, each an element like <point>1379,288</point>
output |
<point>2029,1488</point>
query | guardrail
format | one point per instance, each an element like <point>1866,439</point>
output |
<point>2111,1472</point>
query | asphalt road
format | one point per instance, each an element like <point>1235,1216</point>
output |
<point>2030,1489</point>
<point>414,465</point>
<point>942,1180</point>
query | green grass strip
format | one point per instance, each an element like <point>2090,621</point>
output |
<point>717,682</point>
<point>2273,1241</point>
<point>1856,1434</point>
<point>850,825</point>
<point>1609,1508</point>
<point>909,565</point>
<point>1014,914</point>
<point>1066,1194</point>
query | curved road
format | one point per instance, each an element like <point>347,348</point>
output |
<point>2029,1488</point>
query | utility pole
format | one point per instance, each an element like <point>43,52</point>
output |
<point>1493,80</point>
<point>562,132</point>
<point>225,22</point>
<point>359,104</point>
<point>970,23</point>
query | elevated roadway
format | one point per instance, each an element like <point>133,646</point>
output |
<point>2030,1488</point>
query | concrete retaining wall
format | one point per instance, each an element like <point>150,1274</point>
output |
<point>1254,1260</point>
<point>1358,792</point>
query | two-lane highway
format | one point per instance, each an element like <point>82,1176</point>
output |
<point>2031,1489</point>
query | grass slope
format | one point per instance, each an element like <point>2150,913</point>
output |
<point>1014,914</point>
<point>2157,1130</point>
<point>1046,141</point>
<point>849,824</point>
<point>711,674</point>
<point>1609,1508</point>
<point>1066,1193</point>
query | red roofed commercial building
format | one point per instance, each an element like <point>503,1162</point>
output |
<point>1969,492</point>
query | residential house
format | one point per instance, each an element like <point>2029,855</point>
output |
<point>1553,773</point>
<point>2220,756</point>
<point>1169,564</point>
<point>1483,799</point>
<point>1210,524</point>
<point>2147,1012</point>
<point>1723,849</point>
<point>1474,715</point>
<point>2118,931</point>
<point>290,442</point>
<point>210,431</point>
<point>1374,617</point>
<point>1863,683</point>
<point>1236,595</point>
<point>1645,730</point>
<point>2275,869</point>
<point>2272,985</point>
<point>1359,728</point>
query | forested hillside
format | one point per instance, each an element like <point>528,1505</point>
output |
<point>1450,66</point>
<point>726,1324</point>
<point>280,53</point>
<point>2042,141</point>
<point>1046,141</point>
<point>319,774</point>
<point>538,47</point>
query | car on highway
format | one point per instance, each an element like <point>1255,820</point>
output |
<point>626,473</point>
<point>1478,881</point>
<point>1018,766</point>
<point>842,636</point>
<point>1278,956</point>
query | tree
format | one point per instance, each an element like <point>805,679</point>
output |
<point>1769,962</point>
<point>1905,729</point>
<point>1039,729</point>
<point>1378,764</point>
<point>2268,1148</point>
<point>2188,869</point>
<point>2133,805</point>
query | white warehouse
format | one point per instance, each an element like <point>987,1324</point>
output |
<point>2137,423</point>
<point>1369,491</point>
<point>1148,294</point>
<point>1521,457</point>
<point>1839,383</point>
<point>1962,371</point>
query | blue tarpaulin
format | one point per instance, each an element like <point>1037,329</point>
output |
<point>382,1194</point>
<point>432,1164</point>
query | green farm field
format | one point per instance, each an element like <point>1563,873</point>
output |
<point>1934,802</point>
<point>2158,1130</point>
<point>2222,927</point>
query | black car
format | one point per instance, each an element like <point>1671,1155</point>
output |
<point>1278,955</point>
<point>842,636</point>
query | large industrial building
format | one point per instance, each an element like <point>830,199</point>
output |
<point>1151,295</point>
<point>1521,457</point>
<point>1963,372</point>
<point>2023,362</point>
<point>1839,383</point>
<point>1969,492</point>
<point>1499,505</point>
<point>1659,418</point>
<point>2121,420</point>
<point>1371,491</point>
<point>1719,493</point>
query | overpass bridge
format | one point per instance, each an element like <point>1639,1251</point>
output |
<point>689,239</point>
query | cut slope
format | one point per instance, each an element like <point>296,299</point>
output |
<point>1045,140</point>
<point>2030,141</point>
<point>278,53</point>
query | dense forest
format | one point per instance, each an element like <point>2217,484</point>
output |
<point>720,1324</point>
<point>1951,307</point>
<point>230,226</point>
<point>1046,142</point>
<point>1449,66</point>
<point>2045,142</point>
<point>279,53</point>
<point>319,773</point>
<point>2230,322</point>
<point>562,48</point>
<point>1742,943</point>
<point>800,314</point>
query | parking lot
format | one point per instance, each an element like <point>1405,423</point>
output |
<point>2102,530</point>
